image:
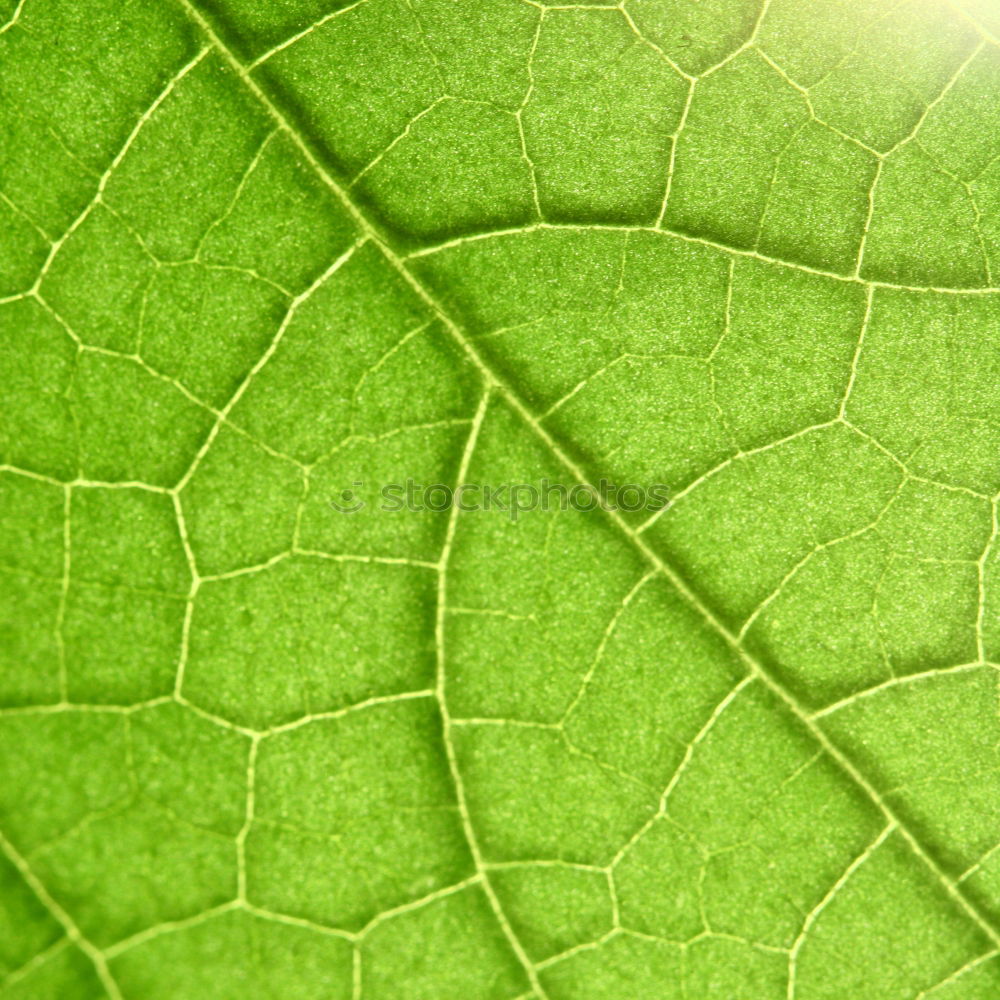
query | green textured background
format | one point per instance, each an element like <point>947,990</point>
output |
<point>253,251</point>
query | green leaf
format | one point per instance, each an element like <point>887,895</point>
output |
<point>259,260</point>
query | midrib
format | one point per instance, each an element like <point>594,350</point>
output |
<point>657,561</point>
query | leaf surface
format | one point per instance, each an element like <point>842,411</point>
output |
<point>253,255</point>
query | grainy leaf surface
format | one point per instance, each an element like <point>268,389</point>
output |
<point>254,252</point>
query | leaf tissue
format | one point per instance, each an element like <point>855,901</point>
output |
<point>266,262</point>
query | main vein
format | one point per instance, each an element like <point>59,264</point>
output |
<point>513,399</point>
